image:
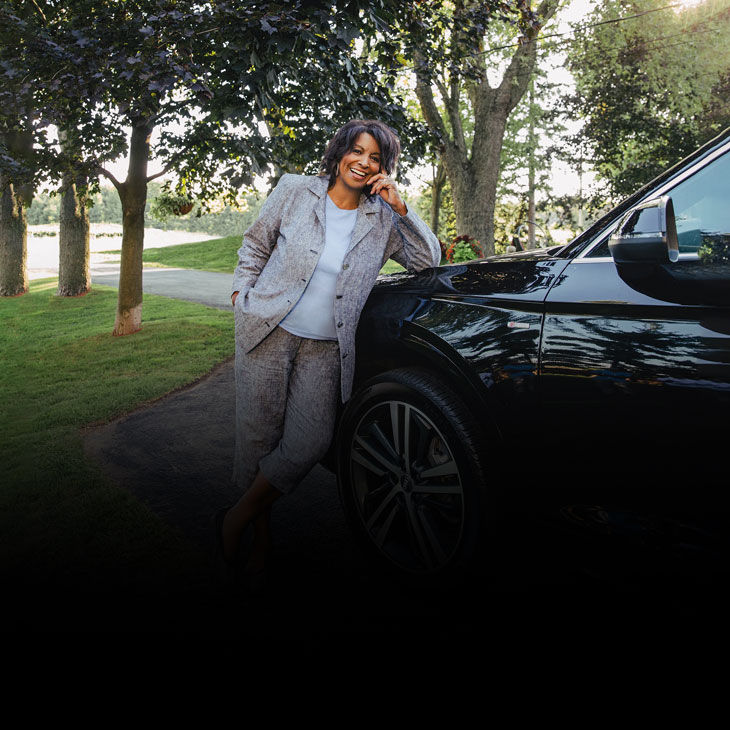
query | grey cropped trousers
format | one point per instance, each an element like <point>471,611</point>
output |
<point>287,391</point>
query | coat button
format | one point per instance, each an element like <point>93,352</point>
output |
<point>339,324</point>
<point>346,266</point>
<point>339,296</point>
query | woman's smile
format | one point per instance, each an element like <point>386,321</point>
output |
<point>358,174</point>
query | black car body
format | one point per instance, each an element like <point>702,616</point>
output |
<point>589,381</point>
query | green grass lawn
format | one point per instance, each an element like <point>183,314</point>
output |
<point>60,518</point>
<point>218,254</point>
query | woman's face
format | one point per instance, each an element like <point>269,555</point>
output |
<point>362,161</point>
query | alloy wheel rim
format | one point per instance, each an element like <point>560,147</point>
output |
<point>407,487</point>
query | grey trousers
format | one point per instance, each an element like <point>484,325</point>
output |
<point>287,391</point>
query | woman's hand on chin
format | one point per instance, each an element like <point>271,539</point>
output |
<point>385,187</point>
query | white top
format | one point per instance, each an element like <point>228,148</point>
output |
<point>313,316</point>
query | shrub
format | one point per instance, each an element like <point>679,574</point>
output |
<point>462,248</point>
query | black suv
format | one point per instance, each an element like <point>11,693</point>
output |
<point>587,383</point>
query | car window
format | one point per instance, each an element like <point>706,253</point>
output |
<point>702,211</point>
<point>600,251</point>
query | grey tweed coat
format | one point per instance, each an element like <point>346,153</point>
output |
<point>281,249</point>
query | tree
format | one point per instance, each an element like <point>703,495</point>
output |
<point>452,65</point>
<point>16,194</point>
<point>74,274</point>
<point>528,150</point>
<point>652,85</point>
<point>24,104</point>
<point>121,66</point>
<point>203,78</point>
<point>17,118</point>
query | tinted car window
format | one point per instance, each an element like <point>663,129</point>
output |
<point>702,211</point>
<point>600,250</point>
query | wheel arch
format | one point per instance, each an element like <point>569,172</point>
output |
<point>418,348</point>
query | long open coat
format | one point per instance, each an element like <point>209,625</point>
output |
<point>281,249</point>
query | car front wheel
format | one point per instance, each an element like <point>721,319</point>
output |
<point>410,474</point>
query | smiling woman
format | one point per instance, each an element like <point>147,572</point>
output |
<point>305,269</point>
<point>361,162</point>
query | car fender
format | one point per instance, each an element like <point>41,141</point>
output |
<point>410,345</point>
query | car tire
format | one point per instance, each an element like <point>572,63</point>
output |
<point>410,475</point>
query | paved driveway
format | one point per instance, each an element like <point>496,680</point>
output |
<point>205,287</point>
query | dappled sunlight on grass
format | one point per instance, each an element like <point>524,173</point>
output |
<point>217,254</point>
<point>44,285</point>
<point>63,369</point>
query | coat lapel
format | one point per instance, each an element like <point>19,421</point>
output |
<point>365,211</point>
<point>319,187</point>
<point>364,220</point>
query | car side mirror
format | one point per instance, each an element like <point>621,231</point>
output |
<point>647,234</point>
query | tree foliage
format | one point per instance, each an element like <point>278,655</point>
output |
<point>216,91</point>
<point>652,84</point>
<point>210,74</point>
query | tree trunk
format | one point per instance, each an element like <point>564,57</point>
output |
<point>531,149</point>
<point>437,188</point>
<point>531,206</point>
<point>473,183</point>
<point>74,277</point>
<point>133,194</point>
<point>13,243</point>
<point>14,198</point>
<point>474,204</point>
<point>473,174</point>
<point>581,216</point>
